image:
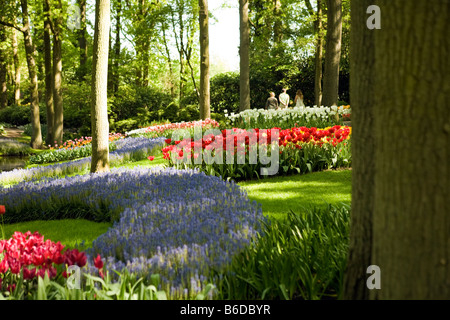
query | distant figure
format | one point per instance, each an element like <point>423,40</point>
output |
<point>284,99</point>
<point>272,102</point>
<point>299,99</point>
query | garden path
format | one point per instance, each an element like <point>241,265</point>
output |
<point>13,133</point>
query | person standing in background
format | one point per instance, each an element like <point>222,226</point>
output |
<point>272,102</point>
<point>299,99</point>
<point>284,99</point>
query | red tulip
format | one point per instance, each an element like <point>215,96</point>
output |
<point>2,210</point>
<point>98,263</point>
<point>151,158</point>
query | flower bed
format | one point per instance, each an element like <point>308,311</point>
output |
<point>243,154</point>
<point>164,130</point>
<point>319,117</point>
<point>128,149</point>
<point>179,224</point>
<point>72,149</point>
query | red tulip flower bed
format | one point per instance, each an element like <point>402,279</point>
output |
<point>234,153</point>
<point>26,256</point>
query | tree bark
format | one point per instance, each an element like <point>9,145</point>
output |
<point>99,96</point>
<point>244,54</point>
<point>82,43</point>
<point>204,60</point>
<point>48,76</point>
<point>58,121</point>
<point>116,73</point>
<point>3,71</point>
<point>36,136</point>
<point>16,67</point>
<point>332,53</point>
<point>318,56</point>
<point>278,23</point>
<point>409,81</point>
<point>412,83</point>
<point>363,152</point>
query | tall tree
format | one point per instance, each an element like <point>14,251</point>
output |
<point>82,42</point>
<point>48,75</point>
<point>3,69</point>
<point>17,74</point>
<point>30,52</point>
<point>318,56</point>
<point>204,60</point>
<point>244,55</point>
<point>58,120</point>
<point>332,53</point>
<point>363,151</point>
<point>411,183</point>
<point>36,135</point>
<point>99,94</point>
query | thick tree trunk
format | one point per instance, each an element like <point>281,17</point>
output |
<point>412,85</point>
<point>244,54</point>
<point>58,121</point>
<point>50,139</point>
<point>204,60</point>
<point>363,152</point>
<point>318,56</point>
<point>15,46</point>
<point>408,79</point>
<point>99,96</point>
<point>332,53</point>
<point>36,136</point>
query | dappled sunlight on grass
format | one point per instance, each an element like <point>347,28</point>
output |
<point>279,195</point>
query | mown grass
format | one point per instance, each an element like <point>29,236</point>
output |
<point>71,233</point>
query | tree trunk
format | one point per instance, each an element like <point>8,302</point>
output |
<point>204,60</point>
<point>318,56</point>
<point>82,43</point>
<point>99,96</point>
<point>278,23</point>
<point>16,67</point>
<point>410,83</point>
<point>50,139</point>
<point>116,79</point>
<point>244,54</point>
<point>3,71</point>
<point>332,53</point>
<point>363,151</point>
<point>36,136</point>
<point>58,121</point>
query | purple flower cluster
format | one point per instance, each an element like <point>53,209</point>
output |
<point>181,224</point>
<point>128,149</point>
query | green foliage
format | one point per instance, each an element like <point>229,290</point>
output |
<point>225,92</point>
<point>19,115</point>
<point>301,257</point>
<point>129,287</point>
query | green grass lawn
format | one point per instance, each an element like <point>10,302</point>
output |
<point>279,195</point>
